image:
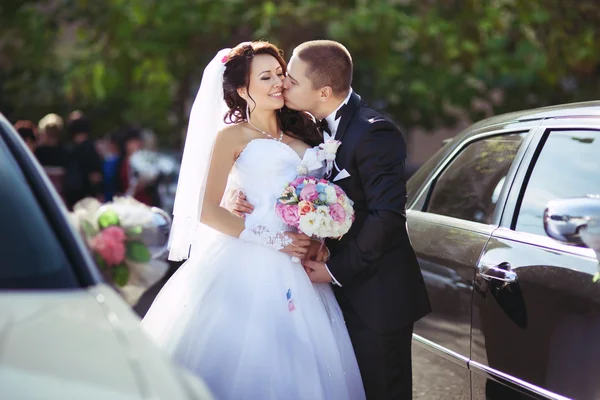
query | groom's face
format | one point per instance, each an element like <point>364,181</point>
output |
<point>299,93</point>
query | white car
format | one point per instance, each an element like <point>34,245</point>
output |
<point>64,334</point>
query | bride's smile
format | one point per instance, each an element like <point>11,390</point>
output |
<point>266,83</point>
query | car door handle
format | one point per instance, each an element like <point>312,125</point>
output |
<point>500,272</point>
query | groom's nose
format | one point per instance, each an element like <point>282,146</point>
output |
<point>286,84</point>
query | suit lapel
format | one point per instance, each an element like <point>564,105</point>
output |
<point>349,111</point>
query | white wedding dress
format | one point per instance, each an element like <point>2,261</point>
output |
<point>244,316</point>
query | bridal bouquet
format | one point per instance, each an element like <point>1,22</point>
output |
<point>120,235</point>
<point>316,207</point>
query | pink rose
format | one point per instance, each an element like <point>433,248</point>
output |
<point>309,192</point>
<point>337,212</point>
<point>324,181</point>
<point>305,207</point>
<point>110,245</point>
<point>288,213</point>
<point>297,181</point>
<point>339,192</point>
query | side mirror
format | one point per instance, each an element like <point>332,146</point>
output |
<point>156,233</point>
<point>575,221</point>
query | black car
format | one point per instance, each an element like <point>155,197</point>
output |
<point>516,313</point>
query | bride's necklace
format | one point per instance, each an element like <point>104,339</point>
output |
<point>265,133</point>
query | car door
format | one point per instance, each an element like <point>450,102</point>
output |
<point>449,225</point>
<point>536,311</point>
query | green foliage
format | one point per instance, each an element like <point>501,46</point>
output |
<point>108,218</point>
<point>137,251</point>
<point>100,262</point>
<point>30,78</point>
<point>134,231</point>
<point>418,61</point>
<point>120,275</point>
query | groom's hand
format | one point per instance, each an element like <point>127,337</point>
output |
<point>317,272</point>
<point>317,252</point>
<point>242,207</point>
<point>235,201</point>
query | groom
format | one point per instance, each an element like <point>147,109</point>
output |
<point>374,270</point>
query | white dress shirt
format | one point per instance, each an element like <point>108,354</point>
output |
<point>333,123</point>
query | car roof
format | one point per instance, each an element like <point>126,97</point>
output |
<point>583,109</point>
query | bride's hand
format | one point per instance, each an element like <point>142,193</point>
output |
<point>299,245</point>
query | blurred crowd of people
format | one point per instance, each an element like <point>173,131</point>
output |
<point>121,163</point>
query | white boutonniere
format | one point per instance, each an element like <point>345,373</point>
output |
<point>327,153</point>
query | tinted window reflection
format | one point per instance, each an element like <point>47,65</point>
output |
<point>469,188</point>
<point>31,257</point>
<point>568,166</point>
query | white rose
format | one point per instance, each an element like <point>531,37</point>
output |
<point>346,226</point>
<point>325,228</point>
<point>331,195</point>
<point>309,223</point>
<point>322,211</point>
<point>336,229</point>
<point>331,146</point>
<point>348,209</point>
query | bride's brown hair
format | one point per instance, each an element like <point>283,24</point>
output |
<point>297,124</point>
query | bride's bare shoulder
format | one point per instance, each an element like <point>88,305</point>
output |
<point>236,137</point>
<point>231,131</point>
<point>234,134</point>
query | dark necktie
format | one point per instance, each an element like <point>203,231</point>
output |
<point>324,126</point>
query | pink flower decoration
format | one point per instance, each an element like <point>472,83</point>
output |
<point>224,59</point>
<point>324,181</point>
<point>337,212</point>
<point>309,192</point>
<point>110,245</point>
<point>288,213</point>
<point>339,192</point>
<point>297,181</point>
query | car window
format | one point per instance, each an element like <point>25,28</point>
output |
<point>31,257</point>
<point>416,181</point>
<point>470,186</point>
<point>567,166</point>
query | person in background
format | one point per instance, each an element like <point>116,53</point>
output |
<point>153,175</point>
<point>110,166</point>
<point>28,132</point>
<point>83,174</point>
<point>51,152</point>
<point>130,181</point>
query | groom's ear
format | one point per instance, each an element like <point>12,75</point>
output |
<point>325,94</point>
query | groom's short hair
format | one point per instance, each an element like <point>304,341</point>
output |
<point>329,64</point>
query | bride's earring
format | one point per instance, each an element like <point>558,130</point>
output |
<point>247,112</point>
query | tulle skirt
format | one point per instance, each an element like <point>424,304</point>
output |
<point>247,320</point>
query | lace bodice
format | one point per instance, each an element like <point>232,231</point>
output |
<point>263,170</point>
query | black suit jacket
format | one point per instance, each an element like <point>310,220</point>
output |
<point>375,262</point>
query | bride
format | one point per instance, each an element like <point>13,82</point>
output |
<point>240,312</point>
